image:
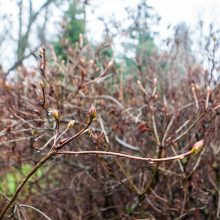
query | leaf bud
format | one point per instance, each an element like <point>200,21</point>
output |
<point>197,146</point>
<point>71,123</point>
<point>92,113</point>
<point>55,114</point>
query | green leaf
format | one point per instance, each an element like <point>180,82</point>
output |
<point>39,172</point>
<point>11,183</point>
<point>25,169</point>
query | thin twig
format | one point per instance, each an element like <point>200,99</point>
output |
<point>147,159</point>
<point>194,95</point>
<point>189,128</point>
<point>107,97</point>
<point>155,130</point>
<point>182,126</point>
<point>103,128</point>
<point>129,178</point>
<point>126,145</point>
<point>35,168</point>
<point>179,162</point>
<point>37,210</point>
<point>167,130</point>
<point>51,153</point>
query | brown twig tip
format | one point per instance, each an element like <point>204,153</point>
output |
<point>41,50</point>
<point>197,146</point>
<point>110,63</point>
<point>81,41</point>
<point>42,56</point>
<point>42,85</point>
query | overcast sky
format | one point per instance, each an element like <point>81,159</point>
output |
<point>187,10</point>
<point>171,12</point>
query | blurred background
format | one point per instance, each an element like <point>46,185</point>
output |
<point>126,25</point>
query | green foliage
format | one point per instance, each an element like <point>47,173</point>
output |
<point>25,169</point>
<point>139,45</point>
<point>10,181</point>
<point>129,210</point>
<point>74,24</point>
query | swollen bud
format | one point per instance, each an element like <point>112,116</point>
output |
<point>197,146</point>
<point>55,114</point>
<point>155,81</point>
<point>110,63</point>
<point>42,85</point>
<point>91,62</point>
<point>92,113</point>
<point>208,90</point>
<point>71,123</point>
<point>193,87</point>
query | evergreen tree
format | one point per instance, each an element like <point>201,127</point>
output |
<point>139,44</point>
<point>74,24</point>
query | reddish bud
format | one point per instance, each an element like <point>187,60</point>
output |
<point>92,113</point>
<point>197,146</point>
<point>143,127</point>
